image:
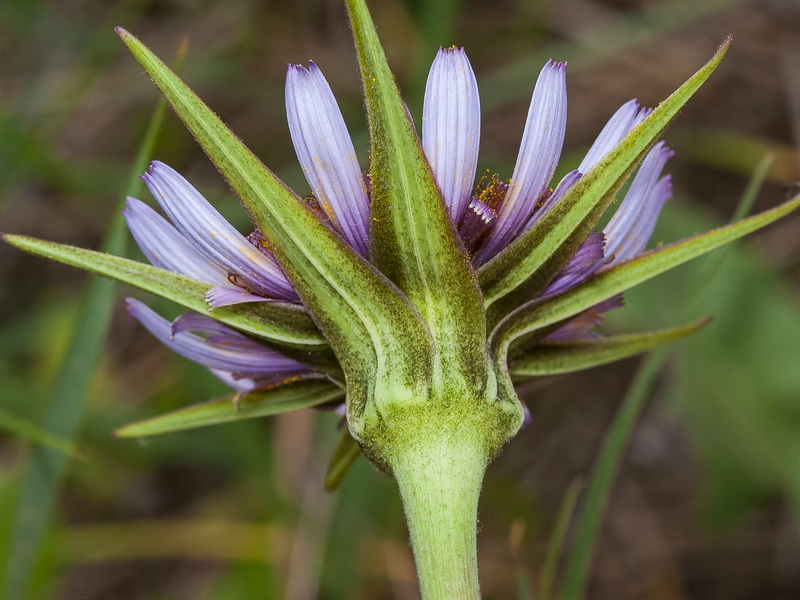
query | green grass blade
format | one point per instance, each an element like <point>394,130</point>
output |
<point>412,239</point>
<point>596,498</point>
<point>743,208</point>
<point>559,232</point>
<point>539,314</point>
<point>286,398</point>
<point>276,321</point>
<point>24,428</point>
<point>344,456</point>
<point>557,538</point>
<point>565,357</point>
<point>366,320</point>
<point>42,475</point>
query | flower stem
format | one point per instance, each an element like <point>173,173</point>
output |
<point>440,480</point>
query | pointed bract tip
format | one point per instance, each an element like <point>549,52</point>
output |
<point>723,47</point>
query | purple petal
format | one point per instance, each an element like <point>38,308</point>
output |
<point>629,230</point>
<point>326,153</point>
<point>166,248</point>
<point>618,126</point>
<point>197,323</point>
<point>527,417</point>
<point>245,385</point>
<point>213,236</point>
<point>581,326</point>
<point>562,188</point>
<point>538,157</point>
<point>583,263</point>
<point>219,296</point>
<point>227,350</point>
<point>451,127</point>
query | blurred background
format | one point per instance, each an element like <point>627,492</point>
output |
<point>707,499</point>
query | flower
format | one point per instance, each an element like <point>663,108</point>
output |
<point>199,243</point>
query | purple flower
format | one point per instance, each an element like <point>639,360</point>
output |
<point>198,242</point>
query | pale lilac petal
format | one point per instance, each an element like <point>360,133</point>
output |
<point>629,230</point>
<point>245,385</point>
<point>166,248</point>
<point>213,236</point>
<point>551,200</point>
<point>451,127</point>
<point>230,351</point>
<point>326,153</point>
<point>642,115</point>
<point>538,157</point>
<point>219,296</point>
<point>618,126</point>
<point>197,323</point>
<point>527,417</point>
<point>582,325</point>
<point>475,223</point>
<point>583,263</point>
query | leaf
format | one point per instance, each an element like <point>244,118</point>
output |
<point>277,321</point>
<point>565,357</point>
<point>559,232</point>
<point>538,314</point>
<point>292,396</point>
<point>375,332</point>
<point>413,241</point>
<point>344,456</point>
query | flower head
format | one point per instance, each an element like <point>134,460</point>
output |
<point>200,244</point>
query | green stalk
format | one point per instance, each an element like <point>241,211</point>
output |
<point>440,482</point>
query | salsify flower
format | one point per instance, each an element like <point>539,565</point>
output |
<point>410,292</point>
<point>201,244</point>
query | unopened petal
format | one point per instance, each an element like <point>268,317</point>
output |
<point>326,153</point>
<point>451,127</point>
<point>586,260</point>
<point>581,327</point>
<point>213,236</point>
<point>538,157</point>
<point>475,223</point>
<point>629,230</point>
